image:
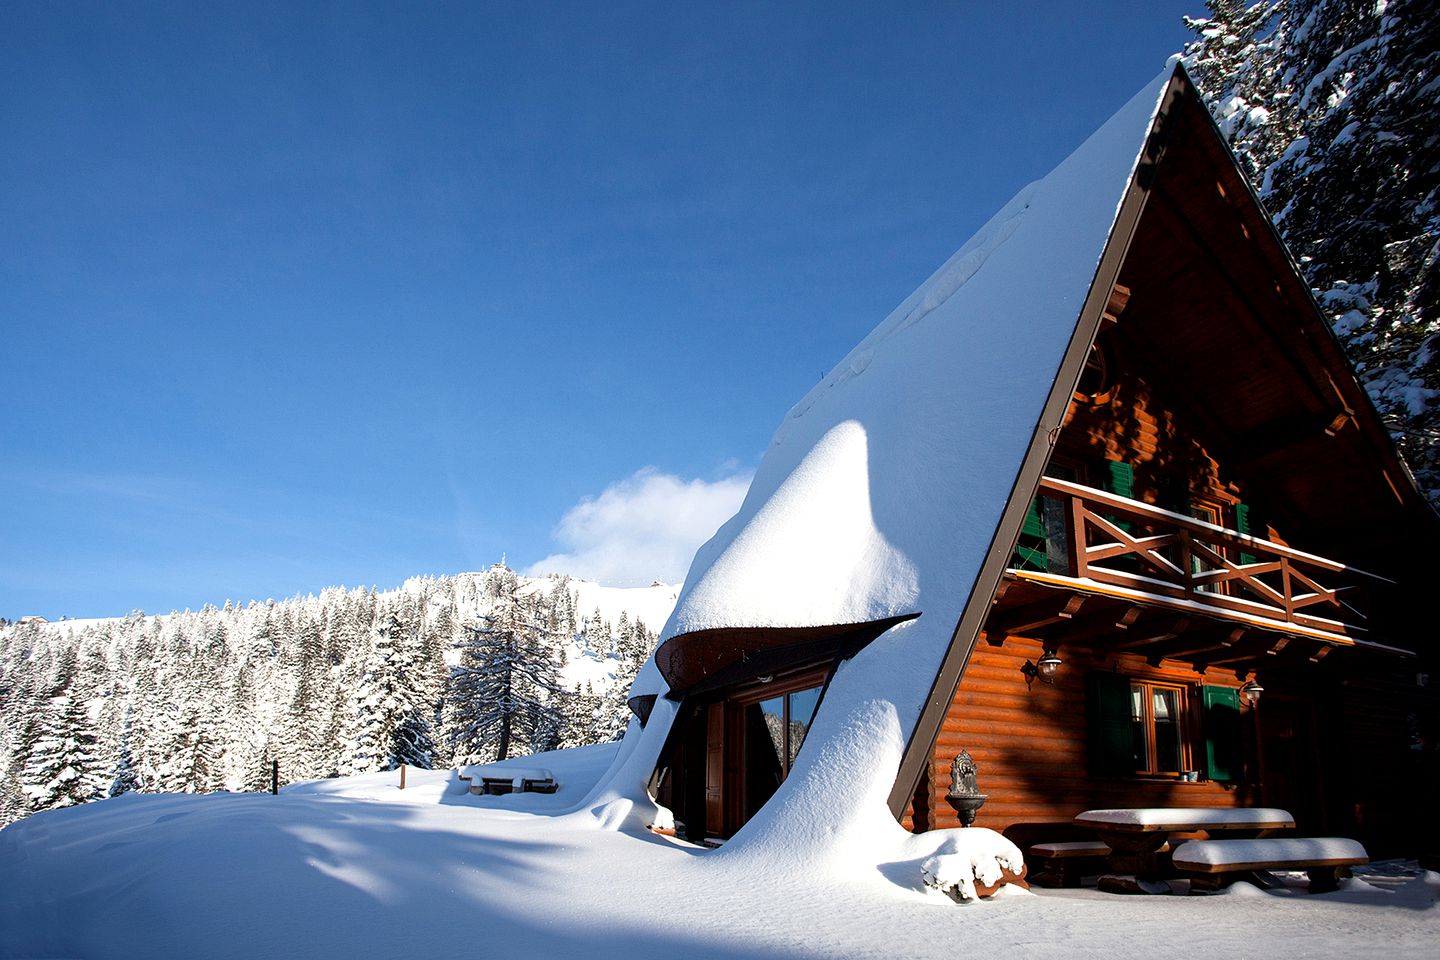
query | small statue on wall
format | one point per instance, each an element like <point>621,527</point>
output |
<point>965,795</point>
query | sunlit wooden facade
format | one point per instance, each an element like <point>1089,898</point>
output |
<point>1220,504</point>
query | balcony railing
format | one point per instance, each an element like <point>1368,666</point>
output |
<point>1095,538</point>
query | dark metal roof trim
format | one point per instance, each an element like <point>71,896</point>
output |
<point>1037,457</point>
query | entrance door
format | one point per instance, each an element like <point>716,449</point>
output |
<point>741,747</point>
<point>715,766</point>
<point>1290,774</point>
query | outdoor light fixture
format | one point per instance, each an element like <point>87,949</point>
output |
<point>1046,668</point>
<point>1251,691</point>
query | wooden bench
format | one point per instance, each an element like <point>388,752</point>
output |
<point>538,785</point>
<point>1064,863</point>
<point>1214,864</point>
<point>1136,836</point>
<point>495,786</point>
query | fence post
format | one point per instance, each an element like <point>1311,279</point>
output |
<point>402,776</point>
<point>275,777</point>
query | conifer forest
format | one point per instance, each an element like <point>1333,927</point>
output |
<point>1333,109</point>
<point>443,671</point>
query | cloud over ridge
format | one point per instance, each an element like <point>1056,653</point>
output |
<point>642,528</point>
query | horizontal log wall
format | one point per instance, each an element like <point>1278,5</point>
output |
<point>1132,426</point>
<point>1029,746</point>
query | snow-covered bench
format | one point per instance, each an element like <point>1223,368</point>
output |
<point>495,782</point>
<point>1136,835</point>
<point>1215,863</point>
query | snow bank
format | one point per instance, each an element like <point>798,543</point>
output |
<point>235,876</point>
<point>968,855</point>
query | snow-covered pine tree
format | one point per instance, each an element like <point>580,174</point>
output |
<point>1334,108</point>
<point>124,778</point>
<point>304,755</point>
<point>636,642</point>
<point>501,695</point>
<point>598,639</point>
<point>63,768</point>
<point>17,739</point>
<point>193,760</point>
<point>579,713</point>
<point>391,719</point>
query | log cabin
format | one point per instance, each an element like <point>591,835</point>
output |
<point>1188,566</point>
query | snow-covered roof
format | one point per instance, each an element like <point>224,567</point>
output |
<point>883,488</point>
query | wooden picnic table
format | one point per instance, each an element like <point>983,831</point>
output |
<point>491,779</point>
<point>1137,836</point>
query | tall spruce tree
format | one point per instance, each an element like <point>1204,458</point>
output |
<point>392,727</point>
<point>502,692</point>
<point>63,767</point>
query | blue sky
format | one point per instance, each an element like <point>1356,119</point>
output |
<point>313,294</point>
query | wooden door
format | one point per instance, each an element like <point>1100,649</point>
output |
<point>715,769</point>
<point>1290,760</point>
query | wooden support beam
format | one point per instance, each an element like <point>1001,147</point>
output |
<point>1108,620</point>
<point>1040,613</point>
<point>1119,297</point>
<point>1156,629</point>
<point>1216,639</point>
<point>1257,650</point>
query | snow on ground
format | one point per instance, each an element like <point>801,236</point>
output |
<point>358,868</point>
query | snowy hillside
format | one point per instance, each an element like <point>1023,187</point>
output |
<point>441,669</point>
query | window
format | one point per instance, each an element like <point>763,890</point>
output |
<point>1157,728</point>
<point>1138,726</point>
<point>787,719</point>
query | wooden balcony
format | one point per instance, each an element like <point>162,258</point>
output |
<point>1095,562</point>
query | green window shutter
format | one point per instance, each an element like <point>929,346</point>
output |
<point>1107,716</point>
<point>1222,732</point>
<point>1030,552</point>
<point>1034,525</point>
<point>1118,477</point>
<point>1242,524</point>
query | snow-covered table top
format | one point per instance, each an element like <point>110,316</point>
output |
<point>1147,819</point>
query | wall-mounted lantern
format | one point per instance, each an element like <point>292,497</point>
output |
<point>1045,668</point>
<point>1251,691</point>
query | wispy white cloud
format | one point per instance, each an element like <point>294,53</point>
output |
<point>643,528</point>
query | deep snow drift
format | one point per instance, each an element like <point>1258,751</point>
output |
<point>356,868</point>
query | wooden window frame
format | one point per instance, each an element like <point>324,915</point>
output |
<point>783,687</point>
<point>1183,724</point>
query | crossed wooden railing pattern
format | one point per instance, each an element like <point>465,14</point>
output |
<point>1126,543</point>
